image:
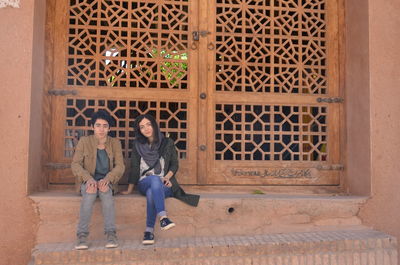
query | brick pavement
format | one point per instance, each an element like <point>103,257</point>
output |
<point>342,247</point>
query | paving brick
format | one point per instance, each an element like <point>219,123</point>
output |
<point>344,247</point>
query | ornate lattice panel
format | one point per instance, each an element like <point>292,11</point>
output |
<point>172,117</point>
<point>128,43</point>
<point>274,46</point>
<point>270,132</point>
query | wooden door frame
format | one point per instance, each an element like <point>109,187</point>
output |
<point>50,35</point>
<point>56,42</point>
<point>334,79</point>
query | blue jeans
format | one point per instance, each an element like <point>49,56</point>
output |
<point>107,203</point>
<point>155,192</point>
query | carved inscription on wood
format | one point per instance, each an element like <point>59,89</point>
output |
<point>273,172</point>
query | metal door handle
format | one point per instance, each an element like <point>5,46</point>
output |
<point>197,34</point>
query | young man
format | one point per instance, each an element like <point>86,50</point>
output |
<point>97,165</point>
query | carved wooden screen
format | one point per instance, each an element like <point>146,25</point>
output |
<point>272,71</point>
<point>128,57</point>
<point>242,86</point>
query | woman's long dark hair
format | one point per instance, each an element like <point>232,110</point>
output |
<point>156,130</point>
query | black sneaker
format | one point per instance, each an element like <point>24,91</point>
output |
<point>112,240</point>
<point>148,238</point>
<point>166,224</point>
<point>81,243</point>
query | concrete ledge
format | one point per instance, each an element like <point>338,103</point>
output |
<point>344,247</point>
<point>216,215</point>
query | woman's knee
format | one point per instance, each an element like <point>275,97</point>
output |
<point>155,182</point>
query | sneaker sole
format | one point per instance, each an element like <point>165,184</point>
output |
<point>81,247</point>
<point>168,227</point>
<point>111,245</point>
<point>148,242</point>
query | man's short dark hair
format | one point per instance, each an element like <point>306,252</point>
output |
<point>101,114</point>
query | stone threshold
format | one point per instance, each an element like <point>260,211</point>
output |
<point>218,214</point>
<point>240,189</point>
<point>50,194</point>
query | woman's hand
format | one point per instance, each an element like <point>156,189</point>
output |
<point>167,182</point>
<point>166,179</point>
<point>129,190</point>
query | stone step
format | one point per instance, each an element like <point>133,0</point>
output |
<point>341,247</point>
<point>216,215</point>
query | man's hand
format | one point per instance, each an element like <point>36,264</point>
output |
<point>91,186</point>
<point>103,185</point>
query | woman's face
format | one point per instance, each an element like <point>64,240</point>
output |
<point>101,128</point>
<point>146,129</point>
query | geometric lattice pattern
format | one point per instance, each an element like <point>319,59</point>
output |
<point>128,43</point>
<point>171,116</point>
<point>271,46</point>
<point>270,132</point>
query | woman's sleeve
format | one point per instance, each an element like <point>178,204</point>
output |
<point>174,162</point>
<point>77,163</point>
<point>134,173</point>
<point>119,167</point>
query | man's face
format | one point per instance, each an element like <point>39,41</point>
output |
<point>101,128</point>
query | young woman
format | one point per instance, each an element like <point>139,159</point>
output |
<point>154,165</point>
<point>97,165</point>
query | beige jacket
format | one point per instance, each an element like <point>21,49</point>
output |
<point>84,161</point>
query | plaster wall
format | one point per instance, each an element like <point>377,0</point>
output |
<point>372,84</point>
<point>36,181</point>
<point>18,219</point>
<point>382,210</point>
<point>357,98</point>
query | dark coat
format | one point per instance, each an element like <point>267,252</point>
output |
<point>170,155</point>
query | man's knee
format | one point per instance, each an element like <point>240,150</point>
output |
<point>88,199</point>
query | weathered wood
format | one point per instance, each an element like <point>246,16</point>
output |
<point>48,83</point>
<point>260,69</point>
<point>297,56</point>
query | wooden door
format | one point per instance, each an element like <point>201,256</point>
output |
<point>272,95</point>
<point>248,89</point>
<point>129,58</point>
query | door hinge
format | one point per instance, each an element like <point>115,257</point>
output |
<point>331,167</point>
<point>330,100</point>
<point>52,165</point>
<point>61,92</point>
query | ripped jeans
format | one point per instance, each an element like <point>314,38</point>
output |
<point>85,214</point>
